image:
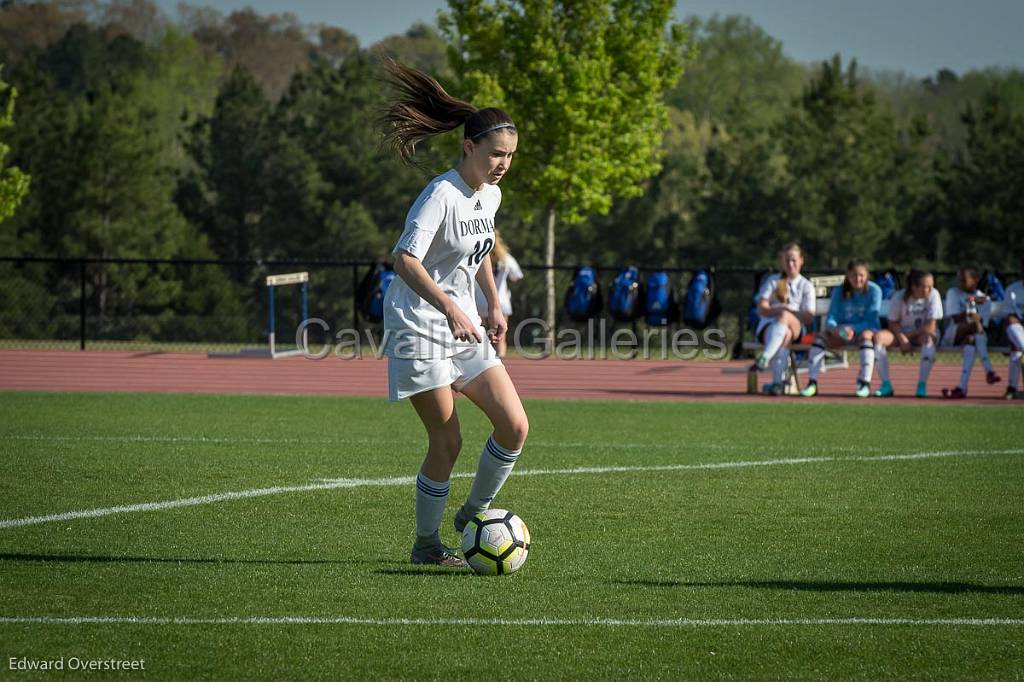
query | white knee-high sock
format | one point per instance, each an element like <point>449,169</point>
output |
<point>981,343</point>
<point>882,359</point>
<point>867,361</point>
<point>1014,380</point>
<point>774,337</point>
<point>965,371</point>
<point>431,497</point>
<point>496,464</point>
<point>779,365</point>
<point>816,358</point>
<point>927,361</point>
<point>1015,333</point>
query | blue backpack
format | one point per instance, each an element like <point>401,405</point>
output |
<point>991,285</point>
<point>888,283</point>
<point>583,297</point>
<point>701,306</point>
<point>626,298</point>
<point>371,292</point>
<point>660,305</point>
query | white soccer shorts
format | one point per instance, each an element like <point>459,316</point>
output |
<point>409,376</point>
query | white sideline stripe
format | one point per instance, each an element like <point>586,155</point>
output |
<point>333,484</point>
<point>514,622</point>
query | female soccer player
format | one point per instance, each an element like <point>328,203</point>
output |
<point>786,306</point>
<point>914,315</point>
<point>506,269</point>
<point>969,311</point>
<point>435,343</point>
<point>852,315</point>
<point>1014,303</point>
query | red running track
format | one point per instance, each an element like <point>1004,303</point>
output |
<point>34,370</point>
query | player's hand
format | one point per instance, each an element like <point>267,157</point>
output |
<point>904,344</point>
<point>497,325</point>
<point>461,326</point>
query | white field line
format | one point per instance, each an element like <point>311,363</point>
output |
<point>510,622</point>
<point>333,484</point>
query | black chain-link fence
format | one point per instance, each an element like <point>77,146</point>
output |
<point>166,305</point>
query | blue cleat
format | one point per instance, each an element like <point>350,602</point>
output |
<point>885,390</point>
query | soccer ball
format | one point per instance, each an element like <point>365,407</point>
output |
<point>496,542</point>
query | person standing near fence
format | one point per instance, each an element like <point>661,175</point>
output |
<point>786,306</point>
<point>506,270</point>
<point>435,342</point>
<point>852,318</point>
<point>914,315</point>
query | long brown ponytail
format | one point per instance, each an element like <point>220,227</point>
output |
<point>423,108</point>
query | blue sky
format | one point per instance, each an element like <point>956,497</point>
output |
<point>916,36</point>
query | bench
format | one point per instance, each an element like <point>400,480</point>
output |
<point>839,359</point>
<point>821,312</point>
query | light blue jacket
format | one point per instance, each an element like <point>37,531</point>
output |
<point>860,311</point>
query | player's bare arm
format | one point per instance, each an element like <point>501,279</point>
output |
<point>412,272</point>
<point>496,323</point>
<point>766,309</point>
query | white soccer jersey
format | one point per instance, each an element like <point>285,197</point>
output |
<point>911,315</point>
<point>506,271</point>
<point>957,303</point>
<point>800,296</point>
<point>450,229</point>
<point>1013,304</point>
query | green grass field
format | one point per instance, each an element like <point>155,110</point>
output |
<point>807,519</point>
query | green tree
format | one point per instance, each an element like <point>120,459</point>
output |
<point>843,153</point>
<point>585,83</point>
<point>226,195</point>
<point>324,114</point>
<point>272,48</point>
<point>986,208</point>
<point>180,86</point>
<point>747,207</point>
<point>13,183</point>
<point>941,100</point>
<point>21,292</point>
<point>739,69</point>
<point>662,222</point>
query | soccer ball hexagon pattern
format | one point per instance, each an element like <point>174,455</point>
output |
<point>496,542</point>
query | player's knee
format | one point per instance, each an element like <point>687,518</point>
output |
<point>867,335</point>
<point>515,430</point>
